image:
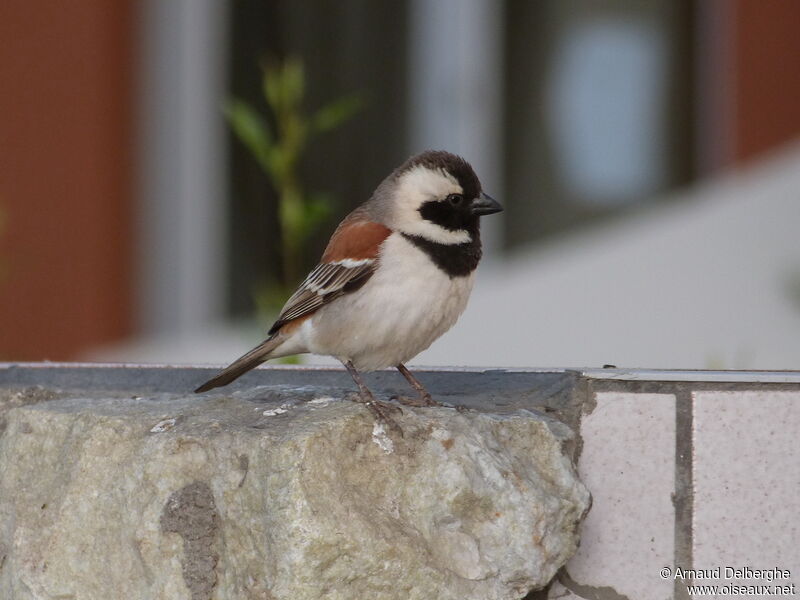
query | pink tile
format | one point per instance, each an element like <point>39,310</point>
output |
<point>747,482</point>
<point>628,464</point>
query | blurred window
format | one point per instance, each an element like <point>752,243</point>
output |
<point>595,115</point>
<point>597,109</point>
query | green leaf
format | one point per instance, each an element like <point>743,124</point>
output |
<point>271,84</point>
<point>283,85</point>
<point>294,81</point>
<point>291,214</point>
<point>337,112</point>
<point>252,131</point>
<point>294,136</point>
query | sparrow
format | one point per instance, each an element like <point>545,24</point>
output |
<point>395,275</point>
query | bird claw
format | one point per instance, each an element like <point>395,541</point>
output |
<point>389,406</point>
<point>382,413</point>
<point>421,401</point>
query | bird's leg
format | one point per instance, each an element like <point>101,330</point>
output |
<point>381,410</point>
<point>423,399</point>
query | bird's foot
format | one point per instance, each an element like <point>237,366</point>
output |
<point>382,411</point>
<point>422,400</point>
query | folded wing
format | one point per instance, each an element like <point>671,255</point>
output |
<point>324,284</point>
<point>347,263</point>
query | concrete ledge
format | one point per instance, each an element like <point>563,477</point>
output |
<point>504,389</point>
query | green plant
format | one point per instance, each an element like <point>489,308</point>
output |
<point>277,142</point>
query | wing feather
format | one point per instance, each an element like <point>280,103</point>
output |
<point>325,283</point>
<point>347,263</point>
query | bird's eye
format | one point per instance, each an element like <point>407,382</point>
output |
<point>455,199</point>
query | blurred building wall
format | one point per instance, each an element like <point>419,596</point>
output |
<point>69,98</point>
<point>766,75</point>
<point>65,176</point>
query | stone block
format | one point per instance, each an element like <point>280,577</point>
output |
<point>230,496</point>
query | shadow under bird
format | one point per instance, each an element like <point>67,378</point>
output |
<point>396,275</point>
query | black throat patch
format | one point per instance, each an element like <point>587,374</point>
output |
<point>457,260</point>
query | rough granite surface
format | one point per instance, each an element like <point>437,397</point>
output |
<point>253,496</point>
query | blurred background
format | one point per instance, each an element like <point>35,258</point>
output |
<point>168,169</point>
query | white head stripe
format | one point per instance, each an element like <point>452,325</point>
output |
<point>350,263</point>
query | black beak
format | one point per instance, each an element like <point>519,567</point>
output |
<point>485,205</point>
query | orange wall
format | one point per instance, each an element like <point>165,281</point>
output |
<point>65,175</point>
<point>766,75</point>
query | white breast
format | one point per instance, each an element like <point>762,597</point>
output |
<point>403,308</point>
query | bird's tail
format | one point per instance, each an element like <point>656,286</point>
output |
<point>244,363</point>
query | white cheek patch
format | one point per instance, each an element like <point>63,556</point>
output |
<point>420,185</point>
<point>436,233</point>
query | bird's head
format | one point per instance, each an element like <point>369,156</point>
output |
<point>437,196</point>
